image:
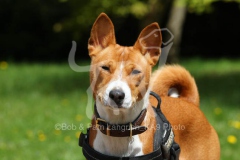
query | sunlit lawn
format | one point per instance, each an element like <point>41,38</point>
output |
<point>35,98</point>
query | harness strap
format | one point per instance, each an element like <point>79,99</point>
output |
<point>92,154</point>
<point>164,136</point>
<point>174,151</point>
<point>164,145</point>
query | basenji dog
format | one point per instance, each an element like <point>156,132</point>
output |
<point>121,79</point>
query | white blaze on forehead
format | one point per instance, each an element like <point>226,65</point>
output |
<point>120,70</point>
<point>121,85</point>
<point>121,65</point>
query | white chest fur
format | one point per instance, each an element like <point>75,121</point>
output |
<point>118,146</point>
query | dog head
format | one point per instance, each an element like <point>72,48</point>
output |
<point>120,75</point>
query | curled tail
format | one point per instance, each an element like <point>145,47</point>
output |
<point>175,81</point>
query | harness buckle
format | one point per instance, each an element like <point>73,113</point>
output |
<point>130,124</point>
<point>102,120</point>
<point>108,130</point>
<point>97,120</point>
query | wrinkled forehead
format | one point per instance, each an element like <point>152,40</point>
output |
<point>121,54</point>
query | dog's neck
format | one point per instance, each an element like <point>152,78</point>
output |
<point>120,146</point>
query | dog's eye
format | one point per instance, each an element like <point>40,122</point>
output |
<point>105,68</point>
<point>135,71</point>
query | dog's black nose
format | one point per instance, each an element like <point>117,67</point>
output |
<point>117,96</point>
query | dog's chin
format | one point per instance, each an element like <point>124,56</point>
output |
<point>109,104</point>
<point>115,106</point>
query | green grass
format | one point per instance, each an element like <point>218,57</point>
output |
<point>36,97</point>
<point>219,87</point>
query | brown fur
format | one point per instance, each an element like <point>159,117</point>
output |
<point>196,137</point>
<point>175,76</point>
<point>147,137</point>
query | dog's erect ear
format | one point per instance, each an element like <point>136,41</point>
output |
<point>149,43</point>
<point>102,33</point>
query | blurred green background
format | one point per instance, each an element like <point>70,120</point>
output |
<point>40,92</point>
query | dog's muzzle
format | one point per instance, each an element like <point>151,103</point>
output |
<point>117,96</point>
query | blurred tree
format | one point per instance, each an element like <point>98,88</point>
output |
<point>177,18</point>
<point>43,30</point>
<point>175,25</point>
<point>84,13</point>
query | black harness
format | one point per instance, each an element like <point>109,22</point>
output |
<point>164,146</point>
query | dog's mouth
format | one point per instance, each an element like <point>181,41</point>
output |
<point>112,104</point>
<point>116,95</point>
